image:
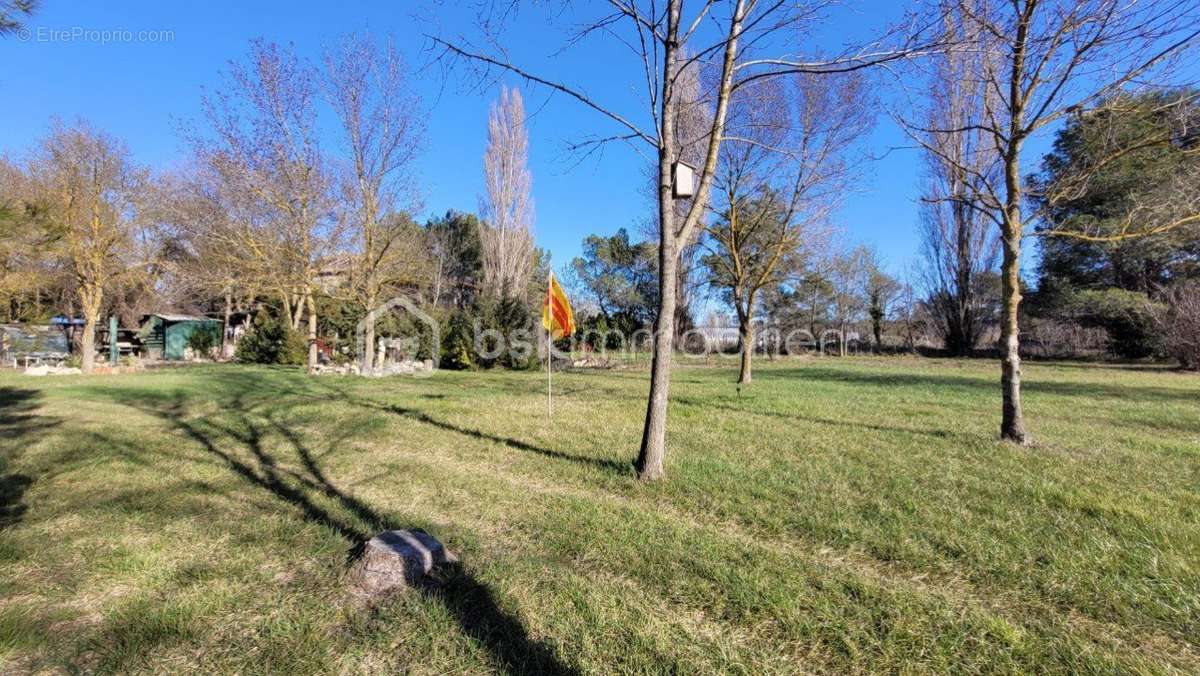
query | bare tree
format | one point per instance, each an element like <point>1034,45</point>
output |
<point>908,311</point>
<point>453,243</point>
<point>382,126</point>
<point>203,226</point>
<point>1044,60</point>
<point>958,241</point>
<point>881,292</point>
<point>741,42</point>
<point>777,187</point>
<point>849,274</point>
<point>507,234</point>
<point>264,147</point>
<point>87,182</point>
<point>1179,321</point>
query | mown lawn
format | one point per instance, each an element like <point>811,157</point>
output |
<point>836,516</point>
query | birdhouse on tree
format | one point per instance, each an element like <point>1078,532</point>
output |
<point>683,181</point>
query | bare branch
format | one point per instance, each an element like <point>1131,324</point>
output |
<point>556,86</point>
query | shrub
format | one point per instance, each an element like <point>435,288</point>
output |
<point>1179,321</point>
<point>204,339</point>
<point>294,351</point>
<point>1050,338</point>
<point>1127,316</point>
<point>457,343</point>
<point>270,341</point>
<point>513,318</point>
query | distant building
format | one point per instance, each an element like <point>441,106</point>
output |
<point>165,336</point>
<point>33,343</point>
<point>719,338</point>
<point>334,273</point>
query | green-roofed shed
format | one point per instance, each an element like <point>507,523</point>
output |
<point>165,336</point>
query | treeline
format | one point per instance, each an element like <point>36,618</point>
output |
<point>1119,251</point>
<point>1094,293</point>
<point>844,296</point>
<point>264,219</point>
<point>1134,297</point>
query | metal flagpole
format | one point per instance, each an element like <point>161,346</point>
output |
<point>550,309</point>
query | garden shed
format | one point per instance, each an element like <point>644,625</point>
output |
<point>165,336</point>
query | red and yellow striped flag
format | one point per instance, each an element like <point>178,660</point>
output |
<point>557,317</point>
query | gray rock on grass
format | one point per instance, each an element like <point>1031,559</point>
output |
<point>396,559</point>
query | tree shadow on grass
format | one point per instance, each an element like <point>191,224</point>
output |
<point>423,417</point>
<point>470,601</point>
<point>1139,367</point>
<point>12,490</point>
<point>18,417</point>
<point>19,423</point>
<point>420,416</point>
<point>980,385</point>
<point>800,418</point>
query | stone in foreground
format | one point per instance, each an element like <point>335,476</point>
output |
<point>398,558</point>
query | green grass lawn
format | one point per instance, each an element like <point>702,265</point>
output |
<point>838,516</point>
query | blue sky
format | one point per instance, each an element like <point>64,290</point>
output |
<point>141,91</point>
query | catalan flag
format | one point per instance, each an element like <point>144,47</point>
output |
<point>557,318</point>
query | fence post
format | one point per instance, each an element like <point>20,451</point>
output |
<point>113,351</point>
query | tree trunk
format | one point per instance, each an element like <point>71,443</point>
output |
<point>225,325</point>
<point>295,303</point>
<point>649,463</point>
<point>1012,425</point>
<point>285,300</point>
<point>965,330</point>
<point>368,353</point>
<point>812,317</point>
<point>683,318</point>
<point>91,300</point>
<point>437,280</point>
<point>88,348</point>
<point>312,331</point>
<point>747,338</point>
